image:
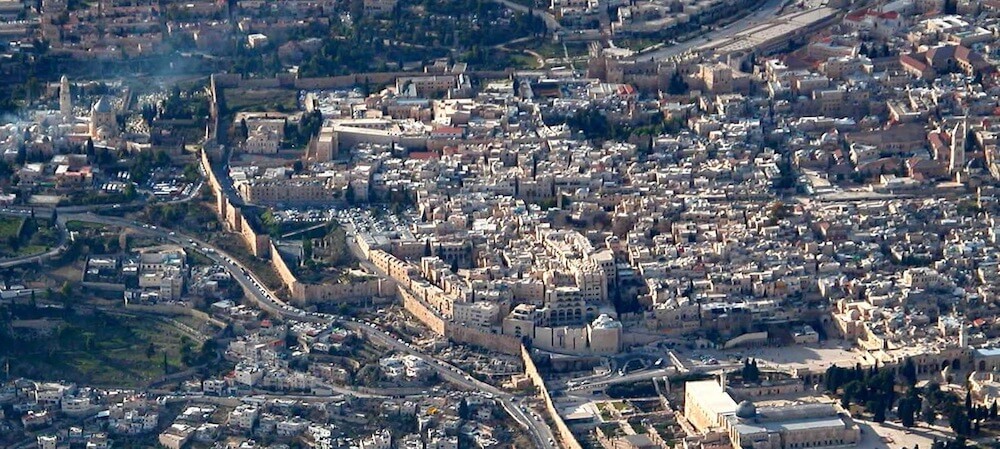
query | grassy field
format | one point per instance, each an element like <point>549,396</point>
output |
<point>100,349</point>
<point>35,240</point>
<point>9,226</point>
<point>524,61</point>
<point>272,100</point>
<point>78,226</point>
<point>549,49</point>
<point>636,44</point>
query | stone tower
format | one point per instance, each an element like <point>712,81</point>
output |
<point>958,135</point>
<point>65,97</point>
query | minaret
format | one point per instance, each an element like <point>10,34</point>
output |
<point>65,97</point>
<point>958,135</point>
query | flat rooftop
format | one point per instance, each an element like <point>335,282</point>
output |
<point>711,396</point>
<point>813,357</point>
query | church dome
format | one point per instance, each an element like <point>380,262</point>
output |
<point>746,410</point>
<point>103,105</point>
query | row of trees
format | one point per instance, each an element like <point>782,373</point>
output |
<point>875,390</point>
<point>596,125</point>
<point>750,372</point>
<point>297,135</point>
<point>143,162</point>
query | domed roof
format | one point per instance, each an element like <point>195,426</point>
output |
<point>746,410</point>
<point>605,322</point>
<point>103,105</point>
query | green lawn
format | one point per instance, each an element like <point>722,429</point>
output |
<point>549,49</point>
<point>9,226</point>
<point>524,60</point>
<point>39,237</point>
<point>77,226</point>
<point>31,249</point>
<point>102,350</point>
<point>272,100</point>
<point>636,44</point>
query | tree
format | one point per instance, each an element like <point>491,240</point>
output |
<point>187,357</point>
<point>909,372</point>
<point>307,249</point>
<point>907,410</point>
<point>878,411</point>
<point>90,147</point>
<point>207,351</point>
<point>927,413</point>
<point>162,158</point>
<point>786,175</point>
<point>66,290</point>
<point>677,85</point>
<point>750,371</point>
<point>950,6</point>
<point>148,113</point>
<point>463,409</point>
<point>349,194</point>
<point>150,350</point>
<point>959,421</point>
<point>369,375</point>
<point>191,173</point>
<point>993,410</point>
<point>856,390</point>
<point>270,222</point>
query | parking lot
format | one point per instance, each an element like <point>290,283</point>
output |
<point>817,356</point>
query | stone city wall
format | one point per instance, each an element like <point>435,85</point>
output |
<point>566,437</point>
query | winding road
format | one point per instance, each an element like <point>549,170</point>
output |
<point>258,292</point>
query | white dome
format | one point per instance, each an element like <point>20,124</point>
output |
<point>605,322</point>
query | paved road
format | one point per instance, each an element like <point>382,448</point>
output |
<point>245,277</point>
<point>63,244</point>
<point>539,431</point>
<point>268,301</point>
<point>645,375</point>
<point>767,10</point>
<point>40,257</point>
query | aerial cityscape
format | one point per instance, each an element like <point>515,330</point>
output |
<point>485,224</point>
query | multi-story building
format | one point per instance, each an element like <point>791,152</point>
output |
<point>480,314</point>
<point>291,191</point>
<point>243,416</point>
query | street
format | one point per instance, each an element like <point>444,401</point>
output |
<point>539,431</point>
<point>768,10</point>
